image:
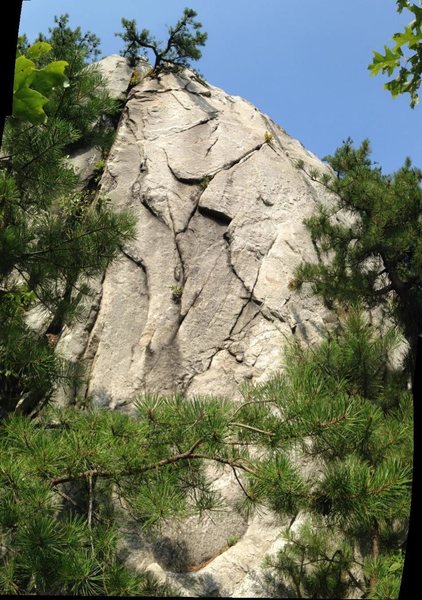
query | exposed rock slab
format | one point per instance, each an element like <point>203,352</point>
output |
<point>219,215</point>
<point>200,301</point>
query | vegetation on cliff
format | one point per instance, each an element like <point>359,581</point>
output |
<point>181,47</point>
<point>53,236</point>
<point>376,255</point>
<point>340,406</point>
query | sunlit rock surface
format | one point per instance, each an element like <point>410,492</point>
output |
<point>200,302</point>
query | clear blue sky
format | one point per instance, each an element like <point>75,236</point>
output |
<point>304,63</point>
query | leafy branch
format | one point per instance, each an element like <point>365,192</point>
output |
<point>404,57</point>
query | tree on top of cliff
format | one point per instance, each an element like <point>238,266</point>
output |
<point>181,47</point>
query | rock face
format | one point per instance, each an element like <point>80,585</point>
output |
<point>200,301</point>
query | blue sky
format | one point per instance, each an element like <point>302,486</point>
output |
<point>304,63</point>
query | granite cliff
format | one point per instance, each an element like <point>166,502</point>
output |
<point>200,302</point>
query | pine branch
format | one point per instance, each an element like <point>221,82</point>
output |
<point>69,241</point>
<point>76,504</point>
<point>252,402</point>
<point>38,156</point>
<point>331,422</point>
<point>226,461</point>
<point>173,34</point>
<point>138,471</point>
<point>240,484</point>
<point>251,428</point>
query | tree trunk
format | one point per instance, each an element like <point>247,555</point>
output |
<point>375,543</point>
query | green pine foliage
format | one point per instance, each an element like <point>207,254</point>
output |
<point>313,547</point>
<point>338,405</point>
<point>72,45</point>
<point>53,238</point>
<point>377,257</point>
<point>181,47</point>
<point>87,104</point>
<point>344,408</point>
<point>58,471</point>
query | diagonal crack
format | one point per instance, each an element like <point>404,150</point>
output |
<point>149,208</point>
<point>250,298</point>
<point>172,132</point>
<point>198,293</point>
<point>241,330</point>
<point>265,311</point>
<point>201,122</point>
<point>140,264</point>
<point>227,166</point>
<point>137,261</point>
<point>89,327</point>
<point>215,141</point>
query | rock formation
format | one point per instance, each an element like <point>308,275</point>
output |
<point>200,301</point>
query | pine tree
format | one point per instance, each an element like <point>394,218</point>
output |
<point>377,256</point>
<point>339,405</point>
<point>182,44</point>
<point>343,407</point>
<point>53,238</point>
<point>58,471</point>
<point>87,104</point>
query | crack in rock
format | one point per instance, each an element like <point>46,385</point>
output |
<point>173,132</point>
<point>144,202</point>
<point>140,92</point>
<point>268,313</point>
<point>250,296</point>
<point>88,328</point>
<point>198,293</point>
<point>226,167</point>
<point>137,261</point>
<point>216,215</point>
<point>215,141</point>
<point>181,275</point>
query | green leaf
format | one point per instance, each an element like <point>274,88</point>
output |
<point>29,105</point>
<point>24,72</point>
<point>32,86</point>
<point>407,37</point>
<point>50,77</point>
<point>38,50</point>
